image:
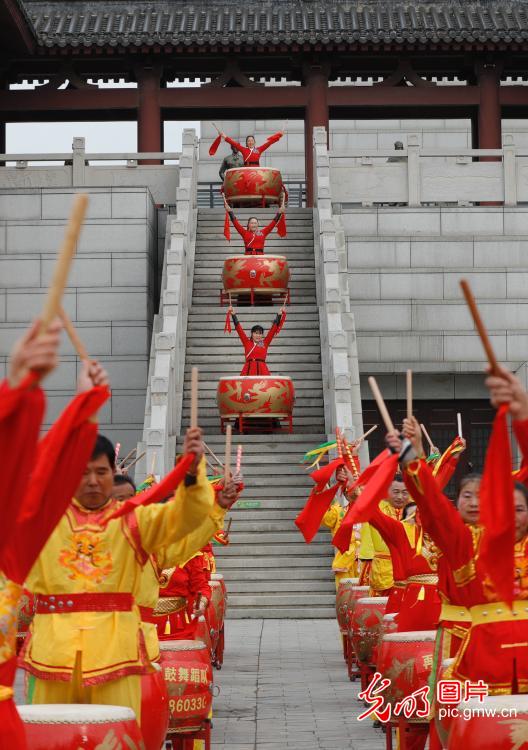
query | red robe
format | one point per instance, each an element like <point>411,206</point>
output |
<point>494,648</point>
<point>420,604</point>
<point>251,156</point>
<point>254,241</point>
<point>256,353</point>
<point>186,582</point>
<point>56,471</point>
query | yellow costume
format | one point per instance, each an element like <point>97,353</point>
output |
<point>344,564</point>
<point>373,547</point>
<point>93,569</point>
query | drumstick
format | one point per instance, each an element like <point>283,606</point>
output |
<point>409,395</point>
<point>117,449</point>
<point>153,464</point>
<point>74,336</point>
<point>459,424</point>
<point>138,458</point>
<point>427,436</point>
<point>213,455</point>
<point>194,398</point>
<point>228,528</point>
<point>479,325</point>
<point>381,404</point>
<point>238,460</point>
<point>339,443</point>
<point>367,433</point>
<point>216,128</point>
<point>227,461</point>
<point>64,260</point>
<point>128,455</point>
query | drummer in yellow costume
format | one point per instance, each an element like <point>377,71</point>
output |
<point>373,547</point>
<point>344,564</point>
<point>86,644</point>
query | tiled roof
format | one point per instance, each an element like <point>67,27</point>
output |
<point>271,22</point>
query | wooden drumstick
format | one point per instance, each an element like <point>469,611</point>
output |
<point>479,325</point>
<point>427,436</point>
<point>409,394</point>
<point>153,464</point>
<point>238,460</point>
<point>74,336</point>
<point>213,455</point>
<point>194,398</point>
<point>137,458</point>
<point>459,424</point>
<point>127,457</point>
<point>227,460</point>
<point>339,443</point>
<point>367,433</point>
<point>381,404</point>
<point>64,261</point>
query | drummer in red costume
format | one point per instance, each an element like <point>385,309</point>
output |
<point>254,238</point>
<point>184,596</point>
<point>251,153</point>
<point>256,346</point>
<point>495,648</point>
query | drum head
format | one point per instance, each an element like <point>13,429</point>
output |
<point>351,581</point>
<point>181,646</point>
<point>214,584</point>
<point>74,713</point>
<point>217,577</point>
<point>373,600</point>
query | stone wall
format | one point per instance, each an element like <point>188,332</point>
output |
<point>110,292</point>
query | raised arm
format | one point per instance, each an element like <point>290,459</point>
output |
<point>391,530</point>
<point>274,328</point>
<point>271,140</point>
<point>238,226</point>
<point>506,388</point>
<point>238,328</point>
<point>273,223</point>
<point>233,143</point>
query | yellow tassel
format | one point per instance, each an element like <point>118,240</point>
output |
<point>167,630</point>
<point>421,594</point>
<point>419,543</point>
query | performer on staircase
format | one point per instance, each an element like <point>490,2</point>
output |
<point>256,346</point>
<point>255,238</point>
<point>251,153</point>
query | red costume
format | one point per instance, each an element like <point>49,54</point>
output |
<point>254,241</point>
<point>31,509</point>
<point>494,648</point>
<point>251,156</point>
<point>179,590</point>
<point>417,557</point>
<point>256,353</point>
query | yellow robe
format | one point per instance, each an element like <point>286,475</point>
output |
<point>373,547</point>
<point>344,564</point>
<point>83,556</point>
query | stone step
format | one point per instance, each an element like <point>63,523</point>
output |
<point>306,598</point>
<point>294,587</point>
<point>300,549</point>
<point>287,535</point>
<point>205,310</point>
<point>273,575</point>
<point>280,613</point>
<point>322,562</point>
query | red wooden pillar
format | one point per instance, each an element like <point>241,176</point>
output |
<point>149,133</point>
<point>489,114</point>
<point>316,114</point>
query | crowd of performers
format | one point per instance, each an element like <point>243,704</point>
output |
<point>450,578</point>
<point>108,573</point>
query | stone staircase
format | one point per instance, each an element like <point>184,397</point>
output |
<point>270,571</point>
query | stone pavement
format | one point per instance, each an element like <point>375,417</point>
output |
<point>284,685</point>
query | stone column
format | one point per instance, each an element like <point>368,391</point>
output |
<point>316,115</point>
<point>489,114</point>
<point>150,125</point>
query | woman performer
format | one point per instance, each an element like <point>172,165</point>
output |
<point>254,238</point>
<point>256,346</point>
<point>251,152</point>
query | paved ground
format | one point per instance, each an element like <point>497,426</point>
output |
<point>284,685</point>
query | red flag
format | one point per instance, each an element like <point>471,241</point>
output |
<point>227,326</point>
<point>158,492</point>
<point>375,491</point>
<point>311,516</point>
<point>213,148</point>
<point>281,226</point>
<point>497,510</point>
<point>61,459</point>
<point>323,475</point>
<point>227,227</point>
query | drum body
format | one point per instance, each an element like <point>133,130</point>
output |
<point>253,186</point>
<point>505,730</point>
<point>388,625</point>
<point>366,623</point>
<point>80,727</point>
<point>343,596</point>
<point>203,633</point>
<point>255,396</point>
<point>262,274</point>
<point>189,677</point>
<point>220,578</point>
<point>406,659</point>
<point>154,709</point>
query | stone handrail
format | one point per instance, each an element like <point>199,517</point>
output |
<point>338,335</point>
<point>167,362</point>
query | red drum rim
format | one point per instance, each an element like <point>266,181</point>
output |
<point>260,256</point>
<point>181,646</point>
<point>353,581</point>
<point>256,377</point>
<point>74,713</point>
<point>412,636</point>
<point>258,290</point>
<point>263,169</point>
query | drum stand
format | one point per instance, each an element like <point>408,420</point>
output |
<point>411,736</point>
<point>242,424</point>
<point>186,741</point>
<point>218,658</point>
<point>253,297</point>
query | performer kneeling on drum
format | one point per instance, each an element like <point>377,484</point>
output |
<point>251,152</point>
<point>254,237</point>
<point>256,346</point>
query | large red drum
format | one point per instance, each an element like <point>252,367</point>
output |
<point>257,275</point>
<point>253,186</point>
<point>246,397</point>
<point>189,676</point>
<point>203,633</point>
<point>388,625</point>
<point>345,591</point>
<point>366,622</point>
<point>406,660</point>
<point>220,578</point>
<point>80,727</point>
<point>154,708</point>
<point>499,722</point>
